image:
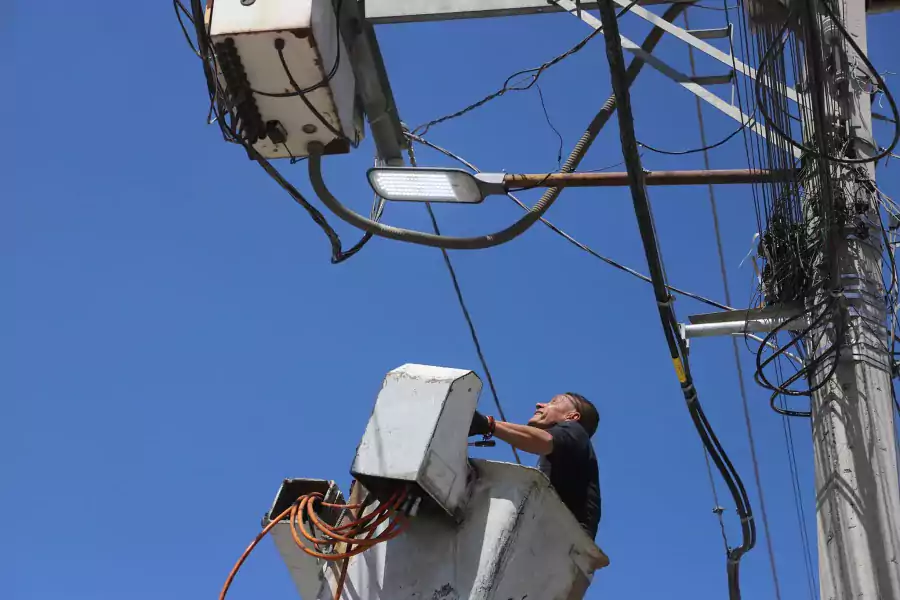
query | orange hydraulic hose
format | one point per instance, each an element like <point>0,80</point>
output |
<point>249,549</point>
<point>348,533</point>
<point>392,531</point>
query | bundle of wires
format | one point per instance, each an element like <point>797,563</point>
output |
<point>336,543</point>
<point>803,220</point>
<point>223,112</point>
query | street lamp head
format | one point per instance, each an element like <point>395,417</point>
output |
<point>427,185</point>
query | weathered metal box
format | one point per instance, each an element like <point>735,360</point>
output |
<point>418,433</point>
<point>246,37</point>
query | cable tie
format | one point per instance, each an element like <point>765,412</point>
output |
<point>667,302</point>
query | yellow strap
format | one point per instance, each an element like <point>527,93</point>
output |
<point>679,370</point>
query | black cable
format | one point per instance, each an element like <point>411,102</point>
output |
<point>763,64</point>
<point>748,123</point>
<point>179,11</point>
<point>559,136</point>
<point>520,226</point>
<point>279,47</point>
<point>566,236</point>
<point>508,87</point>
<point>334,65</point>
<point>466,315</point>
<point>338,255</point>
<point>716,8</point>
<point>676,344</point>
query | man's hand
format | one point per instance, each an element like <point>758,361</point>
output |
<point>481,425</point>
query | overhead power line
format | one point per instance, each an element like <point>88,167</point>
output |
<point>704,148</point>
<point>465,310</point>
<point>513,85</point>
<point>727,289</point>
<point>568,237</point>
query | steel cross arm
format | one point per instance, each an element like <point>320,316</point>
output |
<point>685,36</point>
<point>416,11</point>
<point>677,76</point>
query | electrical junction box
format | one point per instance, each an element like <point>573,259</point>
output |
<point>272,116</point>
<point>418,434</point>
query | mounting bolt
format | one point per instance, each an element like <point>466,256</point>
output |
<point>310,128</point>
<point>247,2</point>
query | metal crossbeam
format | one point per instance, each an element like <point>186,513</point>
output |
<point>676,75</point>
<point>413,11</point>
<point>700,45</point>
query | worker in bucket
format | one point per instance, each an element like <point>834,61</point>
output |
<point>560,433</point>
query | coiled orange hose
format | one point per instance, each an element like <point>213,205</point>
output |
<point>358,535</point>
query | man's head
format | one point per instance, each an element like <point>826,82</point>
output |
<point>566,407</point>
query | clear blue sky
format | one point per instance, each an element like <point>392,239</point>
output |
<point>180,342</point>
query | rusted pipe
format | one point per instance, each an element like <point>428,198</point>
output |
<point>702,177</point>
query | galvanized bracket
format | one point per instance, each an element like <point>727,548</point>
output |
<point>750,320</point>
<point>373,86</point>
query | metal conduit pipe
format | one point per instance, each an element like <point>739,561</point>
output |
<point>520,226</point>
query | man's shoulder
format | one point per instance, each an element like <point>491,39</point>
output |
<point>570,437</point>
<point>572,428</point>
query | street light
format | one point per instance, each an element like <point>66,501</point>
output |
<point>413,184</point>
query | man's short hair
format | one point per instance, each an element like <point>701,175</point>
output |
<point>590,418</point>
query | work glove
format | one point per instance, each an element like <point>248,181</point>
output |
<point>481,425</point>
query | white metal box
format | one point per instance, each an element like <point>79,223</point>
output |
<point>271,115</point>
<point>418,433</point>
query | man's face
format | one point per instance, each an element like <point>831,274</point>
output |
<point>559,409</point>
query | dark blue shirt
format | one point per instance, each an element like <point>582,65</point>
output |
<point>572,470</point>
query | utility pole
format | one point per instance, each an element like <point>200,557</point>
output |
<point>857,488</point>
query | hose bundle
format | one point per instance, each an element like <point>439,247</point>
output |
<point>354,537</point>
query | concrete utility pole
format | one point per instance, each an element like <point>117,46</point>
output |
<point>857,488</point>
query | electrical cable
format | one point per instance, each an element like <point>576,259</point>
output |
<point>550,124</point>
<point>359,534</point>
<point>566,236</point>
<point>726,8</point>
<point>338,255</point>
<point>517,228</point>
<point>676,344</point>
<point>763,64</point>
<point>508,87</point>
<point>734,344</point>
<point>279,47</point>
<point>465,310</point>
<point>705,148</point>
<point>179,11</point>
<point>328,76</point>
